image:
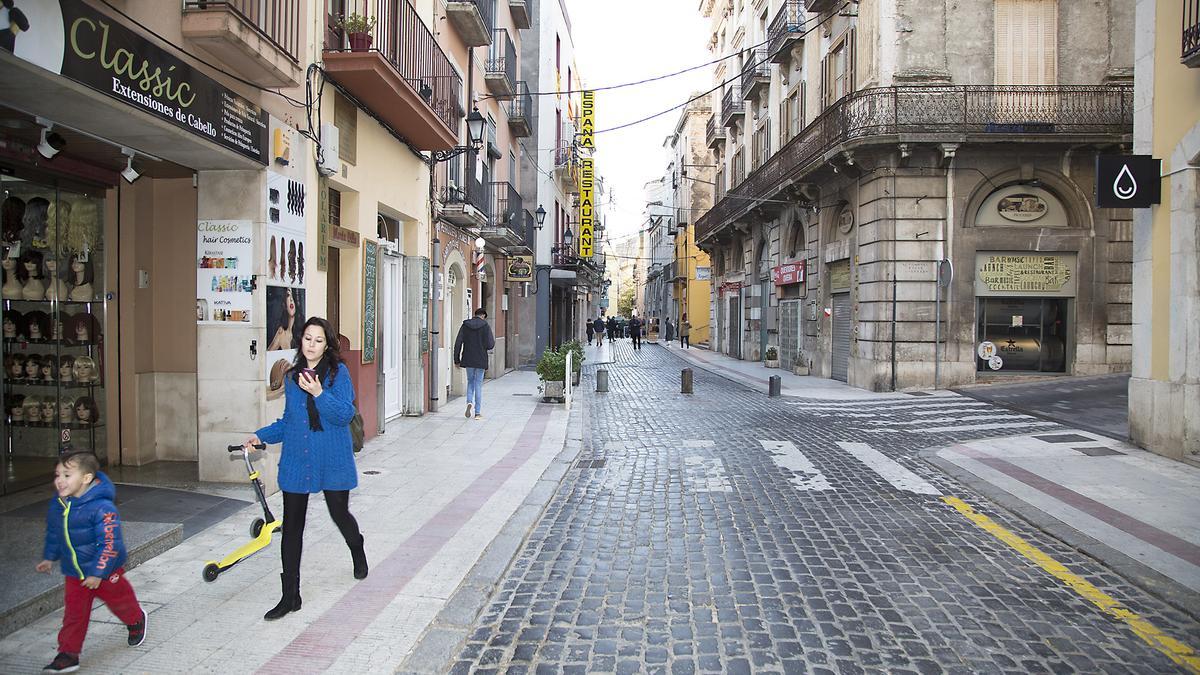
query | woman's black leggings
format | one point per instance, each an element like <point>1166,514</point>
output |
<point>295,508</point>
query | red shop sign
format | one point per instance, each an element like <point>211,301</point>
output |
<point>791,273</point>
<point>729,287</point>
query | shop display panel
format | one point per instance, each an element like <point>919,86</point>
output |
<point>52,311</point>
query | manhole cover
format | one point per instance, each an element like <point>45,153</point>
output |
<point>590,464</point>
<point>1099,452</point>
<point>1065,438</point>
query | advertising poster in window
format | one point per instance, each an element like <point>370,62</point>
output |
<point>285,270</point>
<point>223,271</point>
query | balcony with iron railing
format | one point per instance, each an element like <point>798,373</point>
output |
<point>714,133</point>
<point>465,200</point>
<point>473,20</point>
<point>501,70</point>
<point>1013,114</point>
<point>401,74</point>
<point>756,73</point>
<point>1191,33</point>
<point>259,41</point>
<point>506,225</point>
<point>733,106</point>
<point>520,112</point>
<point>785,31</point>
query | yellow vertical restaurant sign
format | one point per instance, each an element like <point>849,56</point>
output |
<point>587,122</point>
<point>587,226</point>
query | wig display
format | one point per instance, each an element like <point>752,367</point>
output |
<point>12,214</point>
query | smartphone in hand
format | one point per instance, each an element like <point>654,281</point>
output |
<point>309,373</point>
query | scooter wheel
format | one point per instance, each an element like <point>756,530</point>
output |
<point>211,571</point>
<point>256,527</point>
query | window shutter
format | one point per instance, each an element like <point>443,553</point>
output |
<point>825,83</point>
<point>1005,41</point>
<point>852,61</point>
<point>1049,46</point>
<point>345,118</point>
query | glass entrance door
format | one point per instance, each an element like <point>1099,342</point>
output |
<point>1030,334</point>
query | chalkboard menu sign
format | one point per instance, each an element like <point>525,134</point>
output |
<point>80,43</point>
<point>370,298</point>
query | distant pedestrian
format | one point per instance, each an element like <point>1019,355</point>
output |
<point>471,348</point>
<point>635,332</point>
<point>83,534</point>
<point>598,326</point>
<point>591,331</point>
<point>612,328</point>
<point>670,333</point>
<point>318,453</point>
<point>685,332</point>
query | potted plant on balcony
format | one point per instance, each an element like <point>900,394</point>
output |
<point>552,368</point>
<point>772,357</point>
<point>357,29</point>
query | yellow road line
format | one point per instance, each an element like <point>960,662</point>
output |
<point>1176,650</point>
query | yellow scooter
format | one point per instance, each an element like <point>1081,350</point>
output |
<point>261,529</point>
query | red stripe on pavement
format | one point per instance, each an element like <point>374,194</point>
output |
<point>1180,548</point>
<point>319,646</point>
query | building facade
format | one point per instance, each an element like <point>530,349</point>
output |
<point>288,178</point>
<point>1164,391</point>
<point>862,157</point>
<point>692,171</point>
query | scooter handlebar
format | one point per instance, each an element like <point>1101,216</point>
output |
<point>238,448</point>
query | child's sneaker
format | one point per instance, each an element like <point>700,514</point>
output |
<point>63,663</point>
<point>137,631</point>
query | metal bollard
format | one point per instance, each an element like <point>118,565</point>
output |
<point>685,381</point>
<point>601,380</point>
<point>774,386</point>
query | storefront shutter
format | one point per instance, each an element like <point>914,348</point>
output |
<point>840,360</point>
<point>1026,34</point>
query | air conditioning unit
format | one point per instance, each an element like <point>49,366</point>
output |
<point>328,163</point>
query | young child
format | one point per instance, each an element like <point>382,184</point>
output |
<point>83,533</point>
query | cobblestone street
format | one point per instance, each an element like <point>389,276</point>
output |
<point>725,531</point>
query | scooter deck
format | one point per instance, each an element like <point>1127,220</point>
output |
<point>249,548</point>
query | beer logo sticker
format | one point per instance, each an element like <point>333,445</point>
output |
<point>987,350</point>
<point>995,363</point>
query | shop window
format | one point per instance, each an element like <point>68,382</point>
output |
<point>53,313</point>
<point>1029,334</point>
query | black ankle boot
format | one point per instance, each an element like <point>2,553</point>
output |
<point>360,558</point>
<point>290,601</point>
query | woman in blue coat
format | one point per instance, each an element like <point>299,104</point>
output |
<point>318,454</point>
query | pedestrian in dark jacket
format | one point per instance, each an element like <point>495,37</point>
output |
<point>83,534</point>
<point>471,349</point>
<point>635,332</point>
<point>591,331</point>
<point>612,328</point>
<point>598,325</point>
<point>318,453</point>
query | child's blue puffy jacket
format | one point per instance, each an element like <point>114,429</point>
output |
<point>84,533</point>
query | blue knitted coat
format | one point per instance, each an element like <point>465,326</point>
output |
<point>313,461</point>
<point>84,533</point>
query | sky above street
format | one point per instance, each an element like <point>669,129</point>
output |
<point>619,41</point>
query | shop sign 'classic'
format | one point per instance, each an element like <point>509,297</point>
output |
<point>80,43</point>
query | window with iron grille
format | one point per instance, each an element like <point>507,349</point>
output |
<point>335,207</point>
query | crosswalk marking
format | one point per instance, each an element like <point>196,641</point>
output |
<point>964,418</point>
<point>900,477</point>
<point>706,474</point>
<point>788,456</point>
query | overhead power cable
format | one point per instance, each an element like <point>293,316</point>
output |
<point>719,85</point>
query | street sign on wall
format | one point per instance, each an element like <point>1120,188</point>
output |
<point>1128,181</point>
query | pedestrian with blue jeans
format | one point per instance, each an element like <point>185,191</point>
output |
<point>471,347</point>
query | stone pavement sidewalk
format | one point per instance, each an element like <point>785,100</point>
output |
<point>434,492</point>
<point>1130,508</point>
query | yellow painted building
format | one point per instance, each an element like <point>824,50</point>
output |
<point>1164,391</point>
<point>691,284</point>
